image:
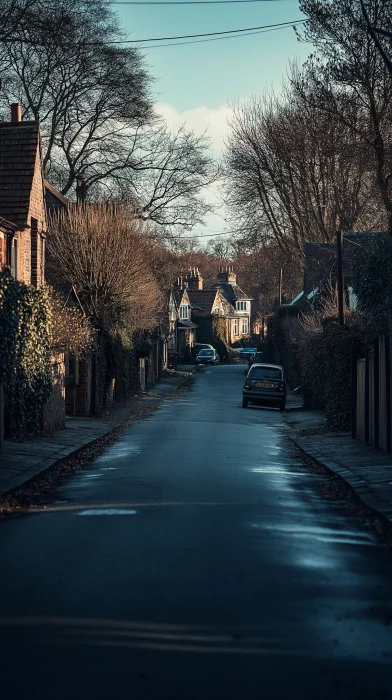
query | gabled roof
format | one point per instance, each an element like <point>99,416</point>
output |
<point>19,146</point>
<point>232,291</point>
<point>54,198</point>
<point>179,296</point>
<point>203,300</point>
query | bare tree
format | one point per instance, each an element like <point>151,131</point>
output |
<point>347,69</point>
<point>104,253</point>
<point>293,175</point>
<point>93,100</point>
<point>12,17</point>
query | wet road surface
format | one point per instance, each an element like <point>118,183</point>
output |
<point>195,559</point>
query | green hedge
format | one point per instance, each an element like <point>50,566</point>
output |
<point>25,357</point>
<point>325,367</point>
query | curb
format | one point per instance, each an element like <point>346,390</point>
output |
<point>359,485</point>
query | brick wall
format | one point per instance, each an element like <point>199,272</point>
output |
<point>38,224</point>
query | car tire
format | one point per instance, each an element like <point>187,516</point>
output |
<point>282,406</point>
<point>244,403</point>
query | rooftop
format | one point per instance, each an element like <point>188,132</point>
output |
<point>19,146</point>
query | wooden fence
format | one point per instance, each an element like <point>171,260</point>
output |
<point>371,410</point>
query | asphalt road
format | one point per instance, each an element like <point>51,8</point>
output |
<point>194,559</point>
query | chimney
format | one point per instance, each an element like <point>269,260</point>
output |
<point>227,275</point>
<point>80,189</point>
<point>16,112</point>
<point>195,280</point>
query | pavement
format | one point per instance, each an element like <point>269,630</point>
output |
<point>368,470</point>
<point>22,461</point>
<point>196,558</point>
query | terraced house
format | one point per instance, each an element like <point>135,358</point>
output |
<point>23,222</point>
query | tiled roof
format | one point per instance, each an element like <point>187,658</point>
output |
<point>186,324</point>
<point>203,298</point>
<point>7,225</point>
<point>232,291</point>
<point>19,143</point>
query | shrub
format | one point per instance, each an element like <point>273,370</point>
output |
<point>25,353</point>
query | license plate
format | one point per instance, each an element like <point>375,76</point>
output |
<point>264,385</point>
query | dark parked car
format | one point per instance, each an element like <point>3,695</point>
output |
<point>208,357</point>
<point>265,384</point>
<point>200,346</point>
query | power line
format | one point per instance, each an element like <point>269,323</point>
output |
<point>224,34</point>
<point>201,235</point>
<point>218,38</point>
<point>189,2</point>
<point>194,36</point>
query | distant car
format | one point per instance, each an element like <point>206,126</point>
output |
<point>208,357</point>
<point>265,384</point>
<point>245,352</point>
<point>200,346</point>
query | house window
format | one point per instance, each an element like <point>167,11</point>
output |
<point>245,327</point>
<point>184,312</point>
<point>242,306</point>
<point>235,327</point>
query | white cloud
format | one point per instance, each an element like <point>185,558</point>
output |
<point>200,119</point>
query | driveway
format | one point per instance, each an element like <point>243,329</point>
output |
<point>195,559</point>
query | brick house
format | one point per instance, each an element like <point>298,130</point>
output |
<point>23,226</point>
<point>23,222</point>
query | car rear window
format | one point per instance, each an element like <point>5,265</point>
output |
<point>265,373</point>
<point>206,352</point>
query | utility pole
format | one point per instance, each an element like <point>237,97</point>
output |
<point>280,288</point>
<point>339,250</point>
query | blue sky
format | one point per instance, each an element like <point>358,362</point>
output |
<point>196,82</point>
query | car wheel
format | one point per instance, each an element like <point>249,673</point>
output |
<point>282,406</point>
<point>244,403</point>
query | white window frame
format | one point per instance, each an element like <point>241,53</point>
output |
<point>242,306</point>
<point>184,312</point>
<point>236,327</point>
<point>245,326</point>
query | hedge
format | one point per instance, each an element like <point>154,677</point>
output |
<point>25,355</point>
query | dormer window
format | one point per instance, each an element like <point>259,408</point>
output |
<point>184,312</point>
<point>242,305</point>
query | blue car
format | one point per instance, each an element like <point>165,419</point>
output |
<point>246,352</point>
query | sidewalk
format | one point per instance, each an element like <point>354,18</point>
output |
<point>366,469</point>
<point>22,461</point>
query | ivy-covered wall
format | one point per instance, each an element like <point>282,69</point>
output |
<point>213,330</point>
<point>25,354</point>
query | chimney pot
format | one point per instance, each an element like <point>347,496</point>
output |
<point>16,112</point>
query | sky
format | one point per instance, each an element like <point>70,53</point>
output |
<point>195,83</point>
